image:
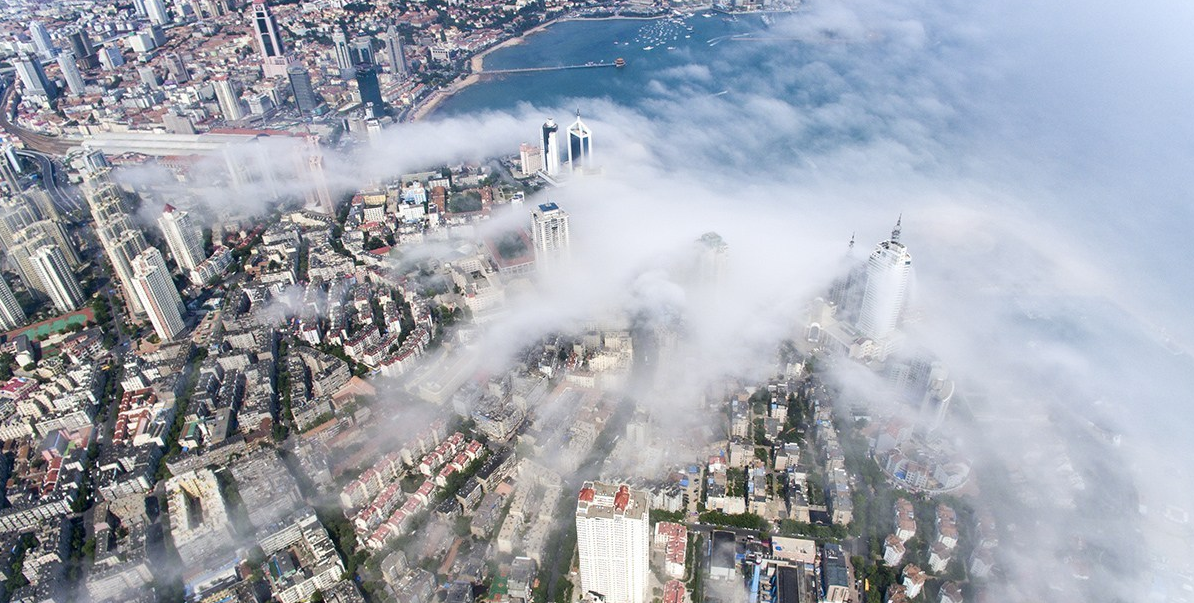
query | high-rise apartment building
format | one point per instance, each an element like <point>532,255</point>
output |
<point>183,237</point>
<point>121,241</point>
<point>550,143</point>
<point>549,232</point>
<point>71,73</point>
<point>613,539</point>
<point>530,158</point>
<point>156,11</point>
<point>887,272</point>
<point>60,283</point>
<point>396,53</point>
<point>230,106</point>
<point>11,314</point>
<point>33,77</point>
<point>369,87</point>
<point>158,294</point>
<point>41,39</point>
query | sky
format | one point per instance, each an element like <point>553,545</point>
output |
<point>1039,157</point>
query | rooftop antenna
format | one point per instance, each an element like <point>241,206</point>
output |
<point>895,232</point>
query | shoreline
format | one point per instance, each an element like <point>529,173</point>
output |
<point>425,108</point>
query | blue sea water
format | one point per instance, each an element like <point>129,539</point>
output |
<point>694,40</point>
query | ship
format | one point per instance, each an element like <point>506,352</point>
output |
<point>619,62</point>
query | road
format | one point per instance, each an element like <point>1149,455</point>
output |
<point>38,142</point>
<point>66,201</point>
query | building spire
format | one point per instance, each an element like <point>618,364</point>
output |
<point>850,247</point>
<point>895,232</point>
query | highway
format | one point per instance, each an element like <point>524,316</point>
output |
<point>65,199</point>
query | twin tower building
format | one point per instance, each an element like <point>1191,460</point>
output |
<point>578,150</point>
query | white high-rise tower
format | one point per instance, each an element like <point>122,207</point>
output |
<point>228,99</point>
<point>613,538</point>
<point>580,145</point>
<point>887,274</point>
<point>182,236</point>
<point>41,39</point>
<point>158,294</point>
<point>549,233</point>
<point>551,147</point>
<point>61,285</point>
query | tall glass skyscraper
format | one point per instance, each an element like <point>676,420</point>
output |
<point>550,145</point>
<point>887,274</point>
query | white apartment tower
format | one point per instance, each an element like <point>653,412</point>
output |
<point>158,294</point>
<point>60,283</point>
<point>580,145</point>
<point>182,236</point>
<point>11,314</point>
<point>550,145</point>
<point>613,537</point>
<point>41,39</point>
<point>229,101</point>
<point>887,274</point>
<point>549,233</point>
<point>156,11</point>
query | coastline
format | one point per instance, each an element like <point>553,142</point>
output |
<point>428,105</point>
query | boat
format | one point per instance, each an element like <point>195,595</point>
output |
<point>648,47</point>
<point>619,62</point>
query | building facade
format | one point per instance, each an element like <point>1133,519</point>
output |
<point>613,537</point>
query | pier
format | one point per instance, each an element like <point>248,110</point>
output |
<point>538,69</point>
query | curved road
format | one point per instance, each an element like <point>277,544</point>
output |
<point>66,202</point>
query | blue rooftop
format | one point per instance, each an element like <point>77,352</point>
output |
<point>548,206</point>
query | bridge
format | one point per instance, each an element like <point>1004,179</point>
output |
<point>538,69</point>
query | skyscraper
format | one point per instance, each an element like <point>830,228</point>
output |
<point>396,53</point>
<point>551,147</point>
<point>156,11</point>
<point>368,86</point>
<point>580,145</point>
<point>300,85</point>
<point>71,73</point>
<point>268,41</point>
<point>343,54</point>
<point>81,45</point>
<point>183,237</point>
<point>41,39</point>
<point>319,197</point>
<point>362,50</point>
<point>230,105</point>
<point>60,283</point>
<point>887,274</point>
<point>549,234</point>
<point>530,158</point>
<point>158,294</point>
<point>613,539</point>
<point>34,77</point>
<point>11,314</point>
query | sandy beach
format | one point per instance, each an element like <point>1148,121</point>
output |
<point>476,66</point>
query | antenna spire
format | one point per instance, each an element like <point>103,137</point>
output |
<point>895,232</point>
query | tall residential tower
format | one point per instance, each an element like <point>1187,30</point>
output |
<point>613,538</point>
